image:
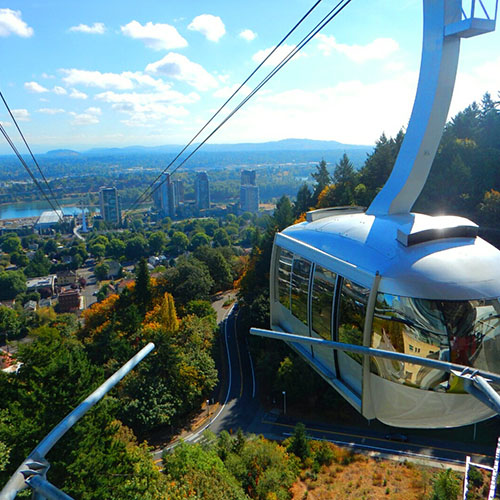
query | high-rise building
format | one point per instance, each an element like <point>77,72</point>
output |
<point>164,197</point>
<point>248,178</point>
<point>249,198</point>
<point>179,191</point>
<point>202,191</point>
<point>109,202</point>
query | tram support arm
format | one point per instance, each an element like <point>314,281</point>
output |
<point>445,366</point>
<point>35,464</point>
<point>479,387</point>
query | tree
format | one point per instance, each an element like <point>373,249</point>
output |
<point>199,240</point>
<point>283,215</point>
<point>178,243</point>
<point>322,178</point>
<point>345,178</point>
<point>101,271</point>
<point>12,244</point>
<point>217,265</point>
<point>115,248</point>
<point>446,486</point>
<point>304,200</point>
<point>157,242</point>
<point>12,283</point>
<point>143,286</point>
<point>221,238</point>
<point>98,250</point>
<point>9,322</point>
<point>299,444</point>
<point>38,266</point>
<point>135,247</point>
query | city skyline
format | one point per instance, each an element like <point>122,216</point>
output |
<point>70,87</point>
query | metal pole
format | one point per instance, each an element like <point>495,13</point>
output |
<point>17,481</point>
<point>45,489</point>
<point>378,353</point>
<point>284,402</point>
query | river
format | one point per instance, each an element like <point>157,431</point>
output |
<point>31,209</point>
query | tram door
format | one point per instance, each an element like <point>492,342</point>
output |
<point>322,321</point>
<point>352,300</point>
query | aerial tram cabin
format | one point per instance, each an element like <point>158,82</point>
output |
<point>396,281</point>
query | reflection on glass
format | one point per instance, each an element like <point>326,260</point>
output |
<point>463,332</point>
<point>322,299</point>
<point>284,274</point>
<point>300,286</point>
<point>353,300</point>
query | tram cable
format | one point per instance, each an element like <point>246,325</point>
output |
<point>285,60</point>
<point>31,153</point>
<point>145,192</point>
<point>25,165</point>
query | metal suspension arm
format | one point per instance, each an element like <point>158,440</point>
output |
<point>35,463</point>
<point>476,381</point>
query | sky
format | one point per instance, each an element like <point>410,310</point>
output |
<point>118,73</point>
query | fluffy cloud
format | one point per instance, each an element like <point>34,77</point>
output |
<point>51,111</point>
<point>134,98</point>
<point>276,58</point>
<point>97,79</point>
<point>210,26</point>
<point>59,90</point>
<point>76,94</point>
<point>21,115</point>
<point>248,35</point>
<point>156,36</point>
<point>35,87</point>
<point>12,24</point>
<point>89,117</point>
<point>95,29</point>
<point>181,68</point>
<point>381,48</point>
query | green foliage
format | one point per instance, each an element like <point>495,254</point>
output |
<point>12,283</point>
<point>178,243</point>
<point>199,240</point>
<point>283,215</point>
<point>101,271</point>
<point>38,266</point>
<point>221,238</point>
<point>135,247</point>
<point>322,178</point>
<point>447,486</point>
<point>115,248</point>
<point>9,323</point>
<point>157,242</point>
<point>304,201</point>
<point>11,244</point>
<point>217,266</point>
<point>299,443</point>
<point>143,292</point>
<point>475,477</point>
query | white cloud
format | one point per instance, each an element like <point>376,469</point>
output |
<point>381,48</point>
<point>135,98</point>
<point>95,29</point>
<point>47,76</point>
<point>76,94</point>
<point>156,36</point>
<point>210,26</point>
<point>248,35</point>
<point>12,24</point>
<point>51,111</point>
<point>59,90</point>
<point>97,79</point>
<point>275,59</point>
<point>88,117</point>
<point>21,115</point>
<point>35,87</point>
<point>181,68</point>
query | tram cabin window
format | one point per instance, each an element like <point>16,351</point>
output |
<point>463,332</point>
<point>300,288</point>
<point>284,276</point>
<point>323,290</point>
<point>352,311</point>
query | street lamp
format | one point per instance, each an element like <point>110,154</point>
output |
<point>284,402</point>
<point>208,408</point>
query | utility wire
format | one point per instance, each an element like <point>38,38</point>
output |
<point>145,192</point>
<point>31,153</point>
<point>287,58</point>
<point>329,17</point>
<point>21,159</point>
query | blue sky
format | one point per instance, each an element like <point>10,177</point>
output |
<point>118,73</point>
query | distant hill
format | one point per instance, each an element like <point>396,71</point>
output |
<point>62,152</point>
<point>283,145</point>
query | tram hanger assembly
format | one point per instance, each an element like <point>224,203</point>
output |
<point>408,288</point>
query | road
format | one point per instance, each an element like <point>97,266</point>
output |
<point>240,408</point>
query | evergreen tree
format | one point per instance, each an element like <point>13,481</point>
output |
<point>322,178</point>
<point>299,444</point>
<point>304,201</point>
<point>283,215</point>
<point>143,286</point>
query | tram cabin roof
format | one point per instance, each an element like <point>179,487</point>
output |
<point>417,255</point>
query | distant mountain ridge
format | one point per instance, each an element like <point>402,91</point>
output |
<point>282,145</point>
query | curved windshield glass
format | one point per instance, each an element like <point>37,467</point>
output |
<point>463,332</point>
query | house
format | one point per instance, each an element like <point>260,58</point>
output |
<point>65,278</point>
<point>69,300</point>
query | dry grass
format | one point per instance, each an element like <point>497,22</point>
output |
<point>355,476</point>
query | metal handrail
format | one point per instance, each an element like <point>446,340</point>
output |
<point>35,463</point>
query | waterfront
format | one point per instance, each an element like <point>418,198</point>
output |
<point>31,209</point>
